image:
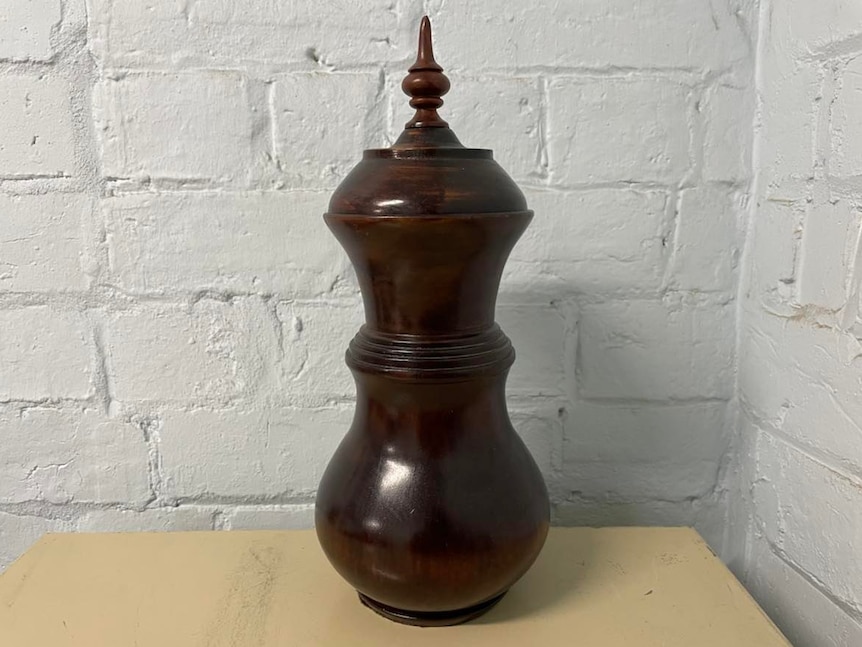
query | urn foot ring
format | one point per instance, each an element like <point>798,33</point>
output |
<point>430,618</point>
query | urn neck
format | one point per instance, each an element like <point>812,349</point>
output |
<point>429,275</point>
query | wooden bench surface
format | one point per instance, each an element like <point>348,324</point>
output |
<point>608,587</point>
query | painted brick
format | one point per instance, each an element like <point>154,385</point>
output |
<point>727,128</point>
<point>640,482</point>
<point>789,94</point>
<point>538,334</point>
<point>603,512</point>
<point>248,453</point>
<point>542,432</point>
<point>500,113</point>
<point>41,242</point>
<point>183,125</point>
<point>846,130</point>
<point>654,351</point>
<point>802,611</point>
<point>594,33</point>
<point>592,242</point>
<point>271,517</point>
<point>798,377</point>
<point>645,433</point>
<point>773,269</point>
<point>18,533</point>
<point>315,336</point>
<point>816,27</point>
<point>149,520</point>
<point>856,326</point>
<point>707,241</point>
<point>582,512</point>
<point>818,534</point>
<point>25,29</point>
<point>215,351</point>
<point>805,380</point>
<point>37,127</point>
<point>643,451</point>
<point>218,33</point>
<point>323,122</point>
<point>761,382</point>
<point>75,455</point>
<point>624,130</point>
<point>44,354</point>
<point>265,242</point>
<point>823,278</point>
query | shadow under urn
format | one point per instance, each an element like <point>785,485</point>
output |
<point>432,506</point>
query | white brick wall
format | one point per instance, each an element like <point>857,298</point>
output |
<point>238,242</point>
<point>727,133</point>
<point>266,454</point>
<point>693,34</point>
<point>796,506</point>
<point>316,150</point>
<point>623,130</point>
<point>37,127</point>
<point>643,452</point>
<point>707,240</point>
<point>217,33</point>
<point>312,369</point>
<point>41,242</point>
<point>624,345</point>
<point>174,312</point>
<point>72,455</point>
<point>602,241</point>
<point>794,522</point>
<point>185,125</point>
<point>211,351</point>
<point>26,29</point>
<point>46,355</point>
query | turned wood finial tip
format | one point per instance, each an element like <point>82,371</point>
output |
<point>425,83</point>
<point>425,56</point>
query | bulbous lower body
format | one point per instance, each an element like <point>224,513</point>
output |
<point>431,507</point>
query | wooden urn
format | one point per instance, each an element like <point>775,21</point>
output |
<point>431,507</point>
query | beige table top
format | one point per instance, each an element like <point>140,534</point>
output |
<point>632,587</point>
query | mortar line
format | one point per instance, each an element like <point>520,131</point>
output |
<point>102,374</point>
<point>824,459</point>
<point>851,611</point>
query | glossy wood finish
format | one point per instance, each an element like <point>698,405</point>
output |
<point>425,83</point>
<point>431,507</point>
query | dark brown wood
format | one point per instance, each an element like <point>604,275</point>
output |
<point>431,507</point>
<point>425,83</point>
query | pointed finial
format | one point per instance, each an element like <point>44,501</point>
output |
<point>425,84</point>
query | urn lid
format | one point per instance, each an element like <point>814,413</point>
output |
<point>427,171</point>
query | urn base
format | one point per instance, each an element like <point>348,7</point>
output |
<point>430,618</point>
